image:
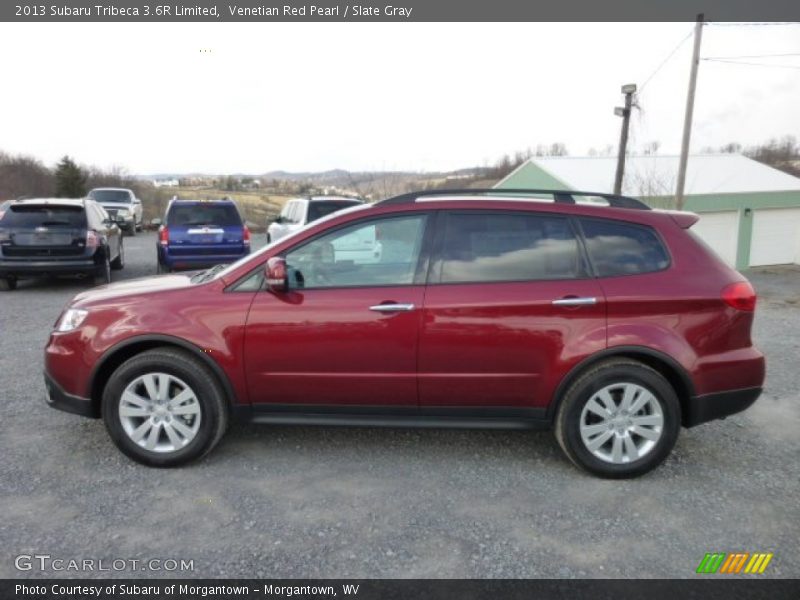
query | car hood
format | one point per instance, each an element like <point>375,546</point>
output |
<point>133,287</point>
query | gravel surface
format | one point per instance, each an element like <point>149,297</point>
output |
<point>326,502</point>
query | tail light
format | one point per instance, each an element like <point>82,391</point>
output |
<point>163,235</point>
<point>246,235</point>
<point>740,296</point>
<point>92,239</point>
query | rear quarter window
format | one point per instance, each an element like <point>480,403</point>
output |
<point>617,248</point>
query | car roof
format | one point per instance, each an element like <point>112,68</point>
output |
<point>49,201</point>
<point>333,198</point>
<point>110,189</point>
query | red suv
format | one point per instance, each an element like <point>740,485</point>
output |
<point>607,321</point>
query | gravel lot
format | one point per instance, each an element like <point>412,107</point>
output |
<point>326,502</point>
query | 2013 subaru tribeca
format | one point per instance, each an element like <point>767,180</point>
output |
<point>586,313</point>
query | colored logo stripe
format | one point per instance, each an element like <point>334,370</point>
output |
<point>734,563</point>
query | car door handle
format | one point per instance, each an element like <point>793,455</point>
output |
<point>387,308</point>
<point>575,301</point>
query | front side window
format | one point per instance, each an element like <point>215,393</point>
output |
<point>481,247</point>
<point>378,252</point>
<point>617,248</point>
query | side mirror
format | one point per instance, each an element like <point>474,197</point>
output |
<point>276,275</point>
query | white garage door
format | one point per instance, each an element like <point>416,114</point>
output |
<point>775,236</point>
<point>720,230</point>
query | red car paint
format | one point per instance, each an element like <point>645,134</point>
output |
<point>468,345</point>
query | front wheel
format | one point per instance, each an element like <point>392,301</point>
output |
<point>620,419</point>
<point>8,284</point>
<point>163,408</point>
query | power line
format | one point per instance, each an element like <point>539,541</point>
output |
<point>752,64</point>
<point>663,62</point>
<point>752,56</point>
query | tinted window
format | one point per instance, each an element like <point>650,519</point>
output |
<point>110,196</point>
<point>378,252</point>
<point>508,247</point>
<point>44,216</point>
<point>623,249</point>
<point>319,209</point>
<point>194,215</point>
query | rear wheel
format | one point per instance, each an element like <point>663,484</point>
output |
<point>103,273</point>
<point>620,419</point>
<point>163,408</point>
<point>119,262</point>
<point>8,284</point>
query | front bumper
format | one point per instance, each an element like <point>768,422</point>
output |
<point>61,400</point>
<point>719,405</point>
<point>45,267</point>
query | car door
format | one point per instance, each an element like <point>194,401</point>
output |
<point>345,333</point>
<point>509,308</point>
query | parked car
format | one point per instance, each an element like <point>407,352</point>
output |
<point>122,205</point>
<point>613,325</point>
<point>200,233</point>
<point>299,212</point>
<point>56,237</point>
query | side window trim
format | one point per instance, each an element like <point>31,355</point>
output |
<point>437,250</point>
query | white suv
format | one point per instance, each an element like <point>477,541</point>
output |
<point>299,212</point>
<point>122,205</point>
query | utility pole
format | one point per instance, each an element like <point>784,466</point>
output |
<point>687,119</point>
<point>629,90</point>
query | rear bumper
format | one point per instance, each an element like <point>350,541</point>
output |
<point>197,261</point>
<point>59,399</point>
<point>22,267</point>
<point>719,405</point>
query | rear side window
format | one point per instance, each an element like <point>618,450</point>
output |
<point>319,209</point>
<point>24,217</point>
<point>195,215</point>
<point>617,248</point>
<point>508,247</point>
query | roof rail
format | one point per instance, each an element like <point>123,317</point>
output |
<point>559,196</point>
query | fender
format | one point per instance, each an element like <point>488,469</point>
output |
<point>154,340</point>
<point>629,351</point>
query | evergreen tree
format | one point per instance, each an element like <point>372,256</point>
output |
<point>70,179</point>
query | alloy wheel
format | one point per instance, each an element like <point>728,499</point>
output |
<point>621,423</point>
<point>160,412</point>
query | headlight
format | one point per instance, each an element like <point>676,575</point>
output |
<point>72,319</point>
<point>122,212</point>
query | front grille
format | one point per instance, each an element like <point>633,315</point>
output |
<point>32,251</point>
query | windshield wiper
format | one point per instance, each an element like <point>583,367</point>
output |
<point>208,273</point>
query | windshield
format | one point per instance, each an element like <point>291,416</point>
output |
<point>30,216</point>
<point>118,196</point>
<point>322,208</point>
<point>194,215</point>
<point>255,257</point>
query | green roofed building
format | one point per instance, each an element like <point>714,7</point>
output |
<point>749,212</point>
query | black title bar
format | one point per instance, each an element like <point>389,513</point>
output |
<point>764,11</point>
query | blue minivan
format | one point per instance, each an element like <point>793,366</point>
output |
<point>197,234</point>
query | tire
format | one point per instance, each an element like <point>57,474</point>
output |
<point>269,239</point>
<point>160,268</point>
<point>599,435</point>
<point>8,284</point>
<point>119,263</point>
<point>103,273</point>
<point>132,231</point>
<point>203,418</point>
